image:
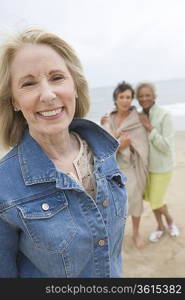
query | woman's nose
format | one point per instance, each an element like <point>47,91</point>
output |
<point>47,94</point>
<point>144,98</point>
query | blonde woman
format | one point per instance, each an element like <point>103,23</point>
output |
<point>63,202</point>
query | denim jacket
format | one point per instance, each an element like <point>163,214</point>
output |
<point>49,226</point>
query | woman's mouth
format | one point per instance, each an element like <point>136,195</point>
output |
<point>50,114</point>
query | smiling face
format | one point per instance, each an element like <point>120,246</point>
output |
<point>123,101</point>
<point>146,98</point>
<point>42,89</point>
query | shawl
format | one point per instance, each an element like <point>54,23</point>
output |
<point>138,157</point>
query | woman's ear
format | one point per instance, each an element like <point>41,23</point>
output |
<point>15,106</point>
<point>76,94</point>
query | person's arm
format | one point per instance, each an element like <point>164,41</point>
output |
<point>104,121</point>
<point>8,249</point>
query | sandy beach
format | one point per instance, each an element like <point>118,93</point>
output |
<point>165,258</point>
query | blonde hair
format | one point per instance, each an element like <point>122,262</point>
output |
<point>145,85</point>
<point>13,124</point>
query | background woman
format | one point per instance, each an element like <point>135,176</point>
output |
<point>62,202</point>
<point>159,125</point>
<point>132,155</point>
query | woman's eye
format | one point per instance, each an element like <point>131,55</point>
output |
<point>29,83</point>
<point>57,77</point>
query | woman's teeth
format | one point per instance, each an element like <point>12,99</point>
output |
<point>51,112</point>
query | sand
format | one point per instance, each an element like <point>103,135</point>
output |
<point>166,258</point>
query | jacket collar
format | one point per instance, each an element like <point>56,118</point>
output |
<point>153,108</point>
<point>35,165</point>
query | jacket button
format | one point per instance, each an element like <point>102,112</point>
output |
<point>101,243</point>
<point>105,203</point>
<point>45,206</point>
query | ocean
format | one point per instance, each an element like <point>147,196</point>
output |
<point>170,95</point>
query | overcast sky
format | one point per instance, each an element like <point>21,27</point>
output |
<point>116,40</point>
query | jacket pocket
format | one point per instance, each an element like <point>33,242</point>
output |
<point>48,222</point>
<point>117,187</point>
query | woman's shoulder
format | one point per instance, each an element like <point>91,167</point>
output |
<point>110,113</point>
<point>9,156</point>
<point>9,165</point>
<point>134,112</point>
<point>134,109</point>
<point>97,137</point>
<point>160,112</point>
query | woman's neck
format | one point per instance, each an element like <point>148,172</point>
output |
<point>123,114</point>
<point>58,145</point>
<point>120,116</point>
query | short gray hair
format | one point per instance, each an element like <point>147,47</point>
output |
<point>145,85</point>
